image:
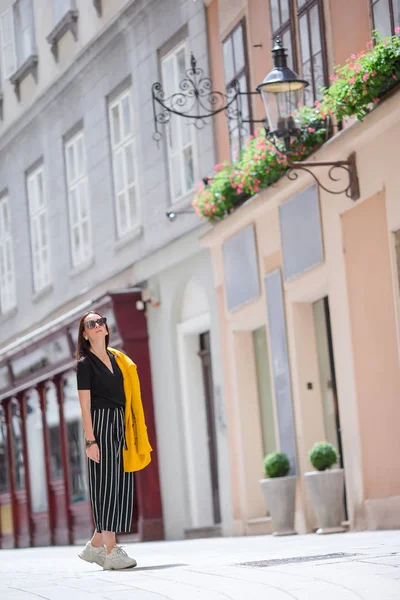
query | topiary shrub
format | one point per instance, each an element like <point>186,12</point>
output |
<point>323,456</point>
<point>276,465</point>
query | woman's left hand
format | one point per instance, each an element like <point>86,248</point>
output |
<point>93,453</point>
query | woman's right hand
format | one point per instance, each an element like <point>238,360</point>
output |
<point>93,453</point>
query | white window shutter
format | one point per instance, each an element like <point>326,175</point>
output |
<point>180,135</point>
<point>123,145</point>
<point>24,29</point>
<point>8,43</point>
<point>7,268</point>
<point>39,230</point>
<point>79,210</point>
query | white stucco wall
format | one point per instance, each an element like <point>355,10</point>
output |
<point>171,270</point>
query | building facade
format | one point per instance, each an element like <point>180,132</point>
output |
<point>84,192</point>
<point>308,282</point>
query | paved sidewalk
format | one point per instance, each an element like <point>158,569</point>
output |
<point>350,566</point>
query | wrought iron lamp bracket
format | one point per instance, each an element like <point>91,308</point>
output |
<point>195,100</point>
<point>352,189</point>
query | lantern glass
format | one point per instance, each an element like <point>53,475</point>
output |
<point>281,102</point>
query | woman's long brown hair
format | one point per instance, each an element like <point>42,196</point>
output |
<point>83,346</point>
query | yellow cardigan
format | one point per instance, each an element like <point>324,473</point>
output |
<point>136,455</point>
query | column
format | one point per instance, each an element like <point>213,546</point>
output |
<point>11,469</point>
<point>7,517</point>
<point>59,383</point>
<point>23,413</point>
<point>41,388</point>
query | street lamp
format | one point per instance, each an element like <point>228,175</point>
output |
<point>282,92</point>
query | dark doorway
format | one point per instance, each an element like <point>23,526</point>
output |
<point>329,395</point>
<point>205,356</point>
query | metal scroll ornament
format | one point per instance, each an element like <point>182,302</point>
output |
<point>195,100</point>
<point>343,175</point>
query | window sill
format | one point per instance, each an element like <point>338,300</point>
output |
<point>69,22</point>
<point>182,202</point>
<point>9,314</point>
<point>46,291</point>
<point>129,237</point>
<point>98,7</point>
<point>29,66</point>
<point>82,267</point>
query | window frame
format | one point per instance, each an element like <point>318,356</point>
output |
<point>8,285</point>
<point>180,123</point>
<point>75,184</point>
<point>237,75</point>
<point>305,9</point>
<point>393,23</point>
<point>288,25</point>
<point>57,14</point>
<point>42,275</point>
<point>121,146</point>
<point>7,73</point>
<point>18,32</point>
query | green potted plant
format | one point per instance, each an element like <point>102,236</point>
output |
<point>279,489</point>
<point>326,488</point>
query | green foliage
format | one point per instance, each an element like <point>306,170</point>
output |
<point>361,82</point>
<point>260,164</point>
<point>323,456</point>
<point>276,465</point>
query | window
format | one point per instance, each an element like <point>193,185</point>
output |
<point>311,33</point>
<point>235,66</point>
<point>385,16</point>
<point>7,273</point>
<point>24,30</point>
<point>8,43</point>
<point>60,9</point>
<point>312,50</point>
<point>124,168</point>
<point>282,27</point>
<point>78,199</point>
<point>39,229</point>
<point>180,133</point>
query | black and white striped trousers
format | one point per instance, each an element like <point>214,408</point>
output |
<point>110,488</point>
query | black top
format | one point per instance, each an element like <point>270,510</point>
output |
<point>106,388</point>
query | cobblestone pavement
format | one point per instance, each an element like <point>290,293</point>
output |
<point>350,566</point>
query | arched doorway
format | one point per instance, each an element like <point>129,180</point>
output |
<point>198,412</point>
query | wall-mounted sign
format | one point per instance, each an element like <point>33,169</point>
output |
<point>50,353</point>
<point>4,378</point>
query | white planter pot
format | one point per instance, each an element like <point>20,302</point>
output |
<point>280,498</point>
<point>327,492</point>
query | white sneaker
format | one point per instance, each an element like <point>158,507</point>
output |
<point>93,555</point>
<point>118,559</point>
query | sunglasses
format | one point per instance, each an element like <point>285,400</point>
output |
<point>92,324</point>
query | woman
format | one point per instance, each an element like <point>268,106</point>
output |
<point>115,436</point>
